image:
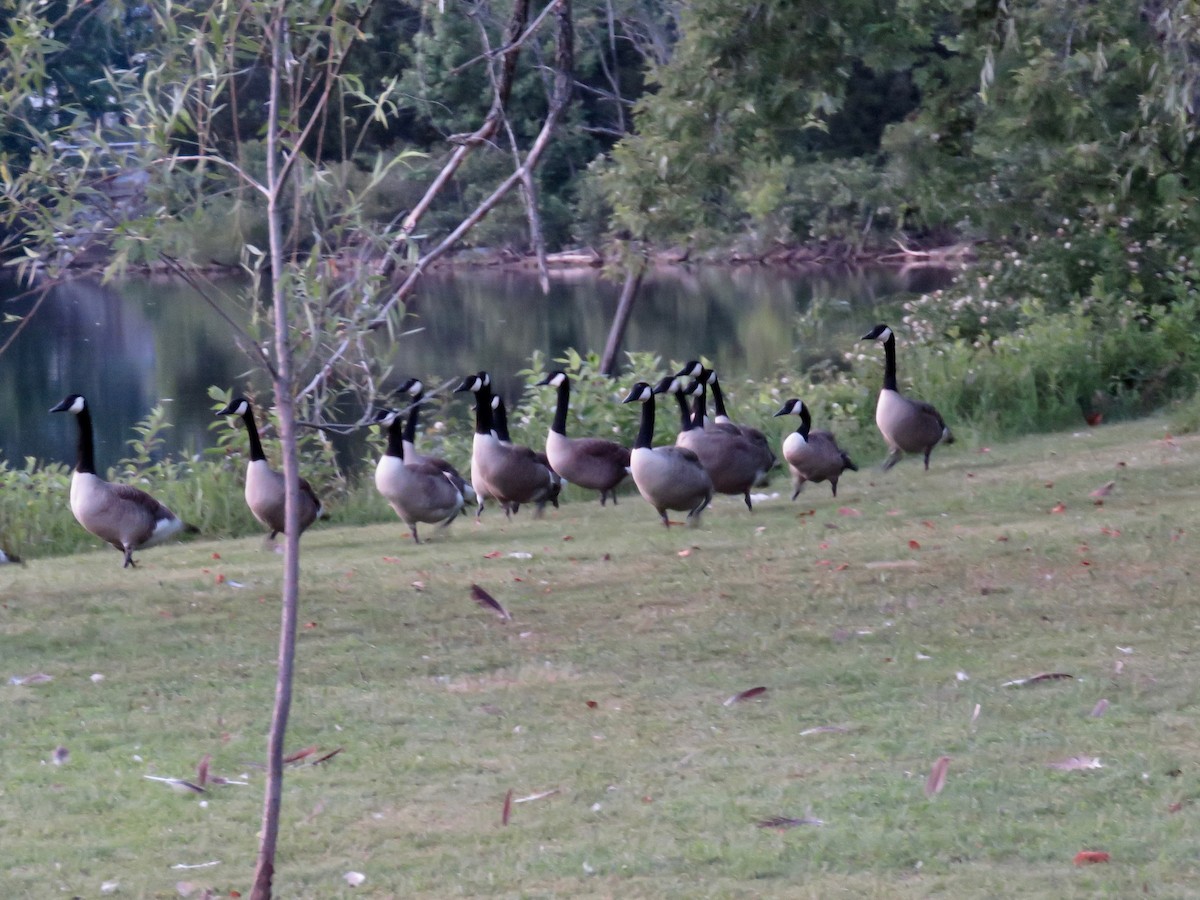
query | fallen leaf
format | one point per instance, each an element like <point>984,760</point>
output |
<point>494,554</point>
<point>1087,857</point>
<point>216,556</point>
<point>310,625</point>
<point>178,784</point>
<point>747,694</point>
<point>299,755</point>
<point>506,811</point>
<point>391,559</point>
<point>202,769</point>
<point>825,729</point>
<point>1103,490</point>
<point>326,757</point>
<point>684,552</point>
<point>1099,709</point>
<point>592,704</point>
<point>483,598</point>
<point>975,714</point>
<point>1036,679</point>
<point>418,586</point>
<point>568,537</point>
<point>782,822</point>
<point>35,678</point>
<point>1175,807</point>
<point>1077,764</point>
<point>848,511</point>
<point>937,777</point>
<point>542,795</point>
<point>914,545</point>
<point>1059,507</point>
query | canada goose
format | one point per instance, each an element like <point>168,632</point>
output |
<point>500,429</point>
<point>265,492</point>
<point>908,425</point>
<point>509,474</point>
<point>721,421</point>
<point>415,389</point>
<point>417,491</point>
<point>734,462</point>
<point>666,477</point>
<point>593,463</point>
<point>812,455</point>
<point>122,515</point>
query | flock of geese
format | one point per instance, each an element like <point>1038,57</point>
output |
<point>709,457</point>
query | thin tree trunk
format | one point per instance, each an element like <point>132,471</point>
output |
<point>616,334</point>
<point>264,872</point>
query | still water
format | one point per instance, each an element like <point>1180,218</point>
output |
<point>129,346</point>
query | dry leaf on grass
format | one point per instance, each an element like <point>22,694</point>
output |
<point>506,810</point>
<point>1036,679</point>
<point>326,757</point>
<point>825,729</point>
<point>299,755</point>
<point>541,795</point>
<point>1099,709</point>
<point>937,777</point>
<point>748,694</point>
<point>782,822</point>
<point>35,678</point>
<point>1087,857</point>
<point>202,769</point>
<point>178,784</point>
<point>1077,764</point>
<point>1104,490</point>
<point>486,600</point>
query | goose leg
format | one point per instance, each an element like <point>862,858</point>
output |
<point>894,457</point>
<point>749,505</point>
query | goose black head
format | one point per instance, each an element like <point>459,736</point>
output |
<point>238,406</point>
<point>72,403</point>
<point>639,393</point>
<point>878,333</point>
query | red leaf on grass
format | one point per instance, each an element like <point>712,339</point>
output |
<point>592,704</point>
<point>202,769</point>
<point>299,754</point>
<point>914,545</point>
<point>937,777</point>
<point>328,756</point>
<point>493,554</point>
<point>1036,679</point>
<point>748,694</point>
<point>483,598</point>
<point>1059,507</point>
<point>848,511</point>
<point>1087,857</point>
<point>506,811</point>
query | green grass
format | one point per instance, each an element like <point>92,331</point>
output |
<point>609,686</point>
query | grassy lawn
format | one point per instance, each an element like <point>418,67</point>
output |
<point>884,625</point>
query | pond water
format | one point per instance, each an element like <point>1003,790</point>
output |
<point>129,346</point>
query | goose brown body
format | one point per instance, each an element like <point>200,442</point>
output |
<point>416,491</point>
<point>266,489</point>
<point>734,462</point>
<point>812,455</point>
<point>668,478</point>
<point>415,389</point>
<point>124,516</point>
<point>907,425</point>
<point>594,463</point>
<point>507,473</point>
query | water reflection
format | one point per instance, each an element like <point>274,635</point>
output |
<point>130,346</point>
